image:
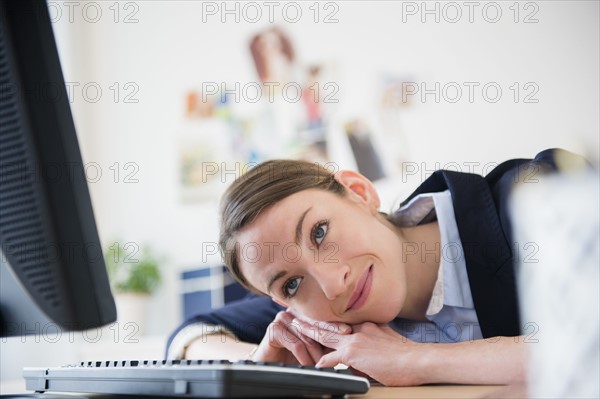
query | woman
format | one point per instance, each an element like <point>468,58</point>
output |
<point>424,295</point>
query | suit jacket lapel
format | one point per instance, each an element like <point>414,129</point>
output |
<point>487,253</point>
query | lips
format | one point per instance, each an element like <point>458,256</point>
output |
<point>362,290</point>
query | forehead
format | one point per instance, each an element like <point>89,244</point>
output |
<point>278,222</point>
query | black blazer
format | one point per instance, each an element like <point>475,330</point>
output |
<point>482,217</point>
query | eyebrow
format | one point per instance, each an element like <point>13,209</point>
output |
<point>274,278</point>
<point>282,273</point>
<point>299,226</point>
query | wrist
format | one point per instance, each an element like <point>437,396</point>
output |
<point>428,362</point>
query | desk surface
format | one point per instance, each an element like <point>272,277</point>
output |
<point>430,391</point>
<point>421,392</point>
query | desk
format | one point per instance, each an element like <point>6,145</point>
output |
<point>431,391</point>
<point>422,392</point>
<point>377,392</point>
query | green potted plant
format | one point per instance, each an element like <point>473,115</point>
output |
<point>135,275</point>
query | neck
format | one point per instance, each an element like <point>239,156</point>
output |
<point>421,250</point>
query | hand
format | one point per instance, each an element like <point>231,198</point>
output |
<point>375,350</point>
<point>285,341</point>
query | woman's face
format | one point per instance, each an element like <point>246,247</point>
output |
<point>330,257</point>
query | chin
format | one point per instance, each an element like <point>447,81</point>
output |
<point>390,311</point>
<point>376,320</point>
<point>383,315</point>
<point>383,318</point>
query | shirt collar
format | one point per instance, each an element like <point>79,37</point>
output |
<point>452,285</point>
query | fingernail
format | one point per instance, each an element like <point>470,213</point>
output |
<point>345,327</point>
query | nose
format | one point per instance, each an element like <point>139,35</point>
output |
<point>332,278</point>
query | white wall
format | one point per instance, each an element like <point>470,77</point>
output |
<point>171,50</point>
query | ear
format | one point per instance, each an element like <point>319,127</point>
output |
<point>277,301</point>
<point>360,189</point>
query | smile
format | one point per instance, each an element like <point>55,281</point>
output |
<point>362,290</point>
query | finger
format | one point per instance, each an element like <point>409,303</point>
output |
<point>285,338</point>
<point>322,326</point>
<point>293,332</point>
<point>284,317</point>
<point>281,335</point>
<point>301,316</point>
<point>288,335</point>
<point>330,360</point>
<point>367,327</point>
<point>300,352</point>
<point>326,337</point>
<point>341,328</point>
<point>293,311</point>
<point>315,350</point>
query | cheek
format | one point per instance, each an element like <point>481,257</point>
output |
<point>319,313</point>
<point>353,241</point>
<point>392,291</point>
<point>365,232</point>
<point>315,305</point>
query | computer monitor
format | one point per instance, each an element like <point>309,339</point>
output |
<point>52,268</point>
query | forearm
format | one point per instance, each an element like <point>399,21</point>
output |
<point>498,360</point>
<point>218,346</point>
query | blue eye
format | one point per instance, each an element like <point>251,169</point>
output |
<point>291,287</point>
<point>319,232</point>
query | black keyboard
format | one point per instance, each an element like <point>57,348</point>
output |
<point>195,378</point>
